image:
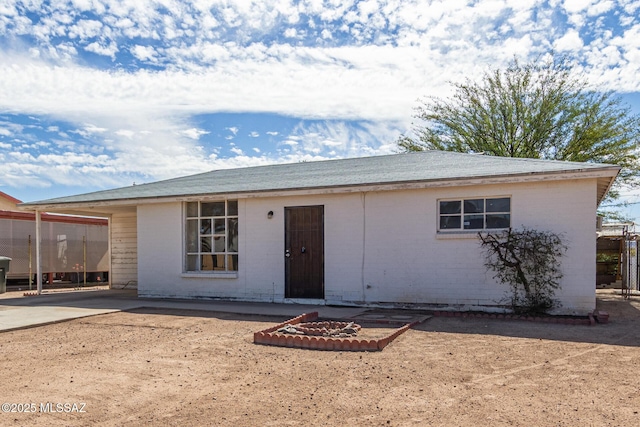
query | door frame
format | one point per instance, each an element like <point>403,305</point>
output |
<point>309,280</point>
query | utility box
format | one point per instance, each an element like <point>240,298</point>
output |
<point>4,269</point>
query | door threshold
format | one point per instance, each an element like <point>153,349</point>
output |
<point>308,301</point>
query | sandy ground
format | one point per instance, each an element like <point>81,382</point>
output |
<point>190,368</point>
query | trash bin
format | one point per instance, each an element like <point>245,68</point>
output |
<point>4,269</point>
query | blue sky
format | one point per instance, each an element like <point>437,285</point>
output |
<point>97,94</point>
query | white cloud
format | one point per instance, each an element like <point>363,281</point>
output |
<point>193,133</point>
<point>331,60</point>
<point>631,6</point>
<point>103,48</point>
<point>91,128</point>
<point>580,10</point>
<point>126,133</point>
<point>571,41</point>
<point>143,53</point>
<point>291,141</point>
<point>85,29</point>
<point>339,139</point>
<point>600,7</point>
<point>575,6</point>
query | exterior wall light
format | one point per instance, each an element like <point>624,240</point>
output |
<point>270,214</point>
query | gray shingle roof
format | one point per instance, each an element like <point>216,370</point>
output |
<point>390,169</point>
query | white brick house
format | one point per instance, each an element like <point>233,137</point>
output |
<point>397,230</point>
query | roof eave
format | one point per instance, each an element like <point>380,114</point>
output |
<point>605,174</point>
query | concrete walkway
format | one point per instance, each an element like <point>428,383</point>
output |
<point>18,311</point>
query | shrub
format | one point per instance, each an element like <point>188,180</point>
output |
<point>528,261</point>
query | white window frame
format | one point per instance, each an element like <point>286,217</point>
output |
<point>193,257</point>
<point>462,214</point>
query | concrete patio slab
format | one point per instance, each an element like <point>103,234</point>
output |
<point>18,311</point>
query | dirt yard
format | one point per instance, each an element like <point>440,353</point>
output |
<point>189,368</point>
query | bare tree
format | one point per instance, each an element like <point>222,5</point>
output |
<point>528,261</point>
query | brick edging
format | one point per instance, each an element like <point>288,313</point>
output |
<point>270,336</point>
<point>593,318</point>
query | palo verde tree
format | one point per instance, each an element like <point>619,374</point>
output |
<point>529,262</point>
<point>540,110</point>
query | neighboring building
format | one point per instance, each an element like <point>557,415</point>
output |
<point>398,230</point>
<point>617,257</point>
<point>8,203</point>
<point>70,245</point>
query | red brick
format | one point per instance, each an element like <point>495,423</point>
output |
<point>305,342</point>
<point>382,343</point>
<point>313,343</point>
<point>281,340</point>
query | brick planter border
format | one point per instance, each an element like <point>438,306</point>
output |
<point>591,319</point>
<point>270,336</point>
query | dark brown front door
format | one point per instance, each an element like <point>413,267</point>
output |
<point>304,252</point>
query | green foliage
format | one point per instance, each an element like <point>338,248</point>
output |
<point>528,261</point>
<point>536,110</point>
<point>608,258</point>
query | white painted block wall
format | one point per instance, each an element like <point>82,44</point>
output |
<point>449,269</point>
<point>380,247</point>
<point>124,250</point>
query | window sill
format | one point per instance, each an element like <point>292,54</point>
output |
<point>466,234</point>
<point>451,235</point>
<point>210,275</point>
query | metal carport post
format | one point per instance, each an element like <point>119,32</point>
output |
<point>38,251</point>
